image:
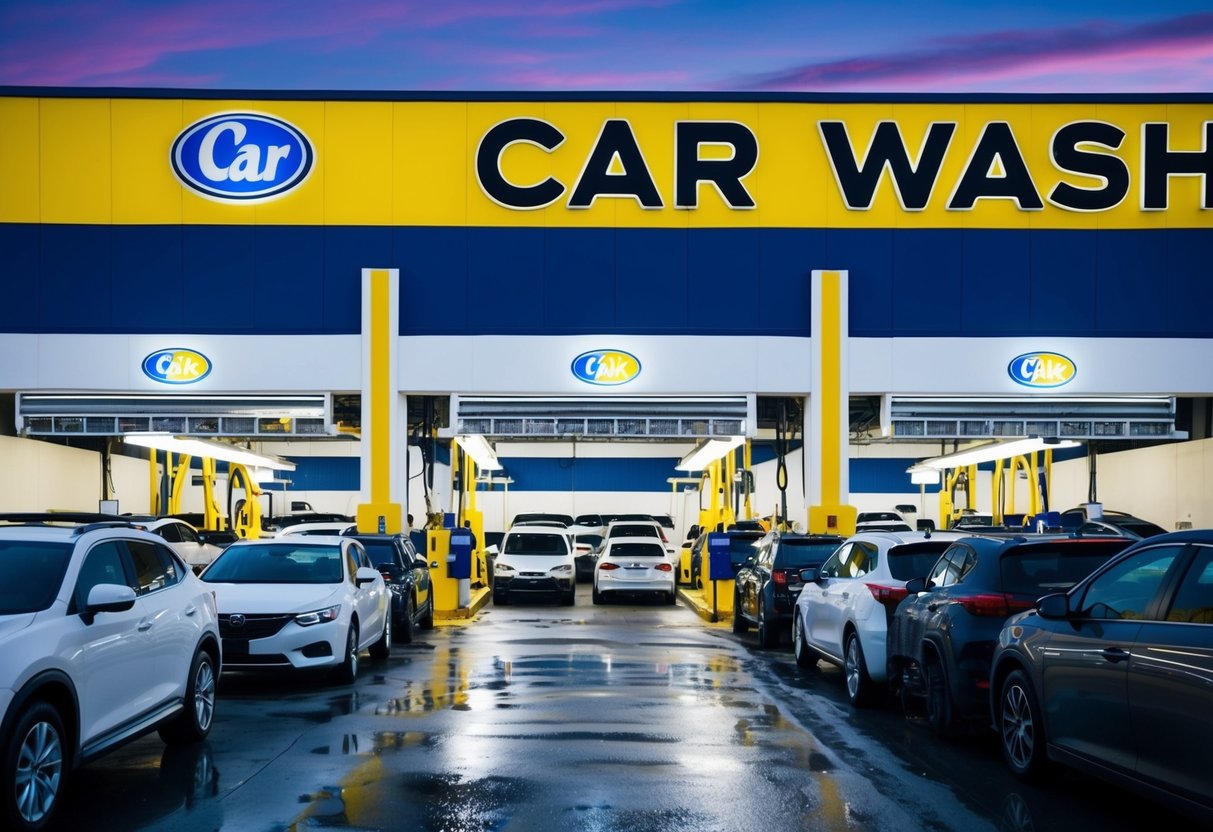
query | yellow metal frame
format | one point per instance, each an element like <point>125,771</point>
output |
<point>247,522</point>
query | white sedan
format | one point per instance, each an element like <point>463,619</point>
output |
<point>843,612</point>
<point>633,564</point>
<point>302,602</point>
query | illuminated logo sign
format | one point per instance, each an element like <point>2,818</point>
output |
<point>176,366</point>
<point>606,368</point>
<point>1041,369</point>
<point>242,157</point>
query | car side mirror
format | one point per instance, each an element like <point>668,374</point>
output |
<point>366,575</point>
<point>916,585</point>
<point>810,574</point>
<point>107,598</point>
<point>1055,606</point>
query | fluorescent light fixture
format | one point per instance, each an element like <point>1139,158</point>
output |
<point>481,452</point>
<point>208,449</point>
<point>924,476</point>
<point>708,453</point>
<point>992,451</point>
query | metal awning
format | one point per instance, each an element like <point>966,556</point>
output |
<point>996,417</point>
<point>603,417</point>
<point>246,416</point>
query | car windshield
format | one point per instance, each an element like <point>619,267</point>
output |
<point>1141,528</point>
<point>323,532</point>
<point>276,563</point>
<point>665,520</point>
<point>30,574</point>
<point>381,552</point>
<point>566,519</point>
<point>589,520</point>
<point>636,550</point>
<point>1042,569</point>
<point>914,560</point>
<point>798,553</point>
<point>593,540</point>
<point>534,544</point>
<point>635,530</point>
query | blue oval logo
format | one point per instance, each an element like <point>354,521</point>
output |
<point>242,157</point>
<point>176,366</point>
<point>1041,369</point>
<point>606,368</point>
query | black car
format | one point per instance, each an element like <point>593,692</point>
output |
<point>741,546</point>
<point>768,581</point>
<point>1116,675</point>
<point>542,518</point>
<point>942,636</point>
<point>407,576</point>
<point>1110,523</point>
<point>585,554</point>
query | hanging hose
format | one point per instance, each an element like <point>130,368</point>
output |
<point>781,469</point>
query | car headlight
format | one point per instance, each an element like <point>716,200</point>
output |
<point>307,619</point>
<point>502,569</point>
<point>564,569</point>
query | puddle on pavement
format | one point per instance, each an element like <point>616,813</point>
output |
<point>376,743</point>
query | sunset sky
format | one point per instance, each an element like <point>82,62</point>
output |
<point>618,45</point>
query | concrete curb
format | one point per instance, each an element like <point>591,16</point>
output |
<point>695,600</point>
<point>480,597</point>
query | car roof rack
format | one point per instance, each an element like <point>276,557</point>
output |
<point>86,521</point>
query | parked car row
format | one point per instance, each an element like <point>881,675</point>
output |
<point>107,634</point>
<point>1090,649</point>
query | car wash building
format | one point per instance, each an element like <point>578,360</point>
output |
<point>598,286</point>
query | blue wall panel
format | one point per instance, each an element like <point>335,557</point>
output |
<point>651,274</point>
<point>74,289</point>
<point>20,274</point>
<point>550,281</point>
<point>324,473</point>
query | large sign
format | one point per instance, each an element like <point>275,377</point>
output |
<point>1033,163</point>
<point>1041,370</point>
<point>176,366</point>
<point>606,368</point>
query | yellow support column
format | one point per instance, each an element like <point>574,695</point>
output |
<point>995,488</point>
<point>212,517</point>
<point>828,430</point>
<point>1034,486</point>
<point>381,453</point>
<point>153,482</point>
<point>749,467</point>
<point>180,481</point>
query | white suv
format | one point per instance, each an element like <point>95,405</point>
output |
<point>105,635</point>
<point>843,612</point>
<point>535,559</point>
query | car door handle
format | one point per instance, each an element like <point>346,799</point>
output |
<point>1115,654</point>
<point>191,609</point>
<point>846,595</point>
<point>145,625</point>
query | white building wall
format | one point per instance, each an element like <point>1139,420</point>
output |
<point>41,476</point>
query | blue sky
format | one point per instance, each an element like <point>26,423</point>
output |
<point>571,45</point>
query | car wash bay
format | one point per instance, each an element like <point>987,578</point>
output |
<point>545,717</point>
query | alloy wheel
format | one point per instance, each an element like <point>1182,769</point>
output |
<point>39,771</point>
<point>204,695</point>
<point>1018,729</point>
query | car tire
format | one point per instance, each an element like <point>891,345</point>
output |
<point>427,620</point>
<point>861,690</point>
<point>1020,729</point>
<point>194,722</point>
<point>35,769</point>
<point>805,657</point>
<point>939,703</point>
<point>405,632</point>
<point>501,599</point>
<point>382,648</point>
<point>347,671</point>
<point>596,596</point>
<point>768,636</point>
<point>671,597</point>
<point>569,598</point>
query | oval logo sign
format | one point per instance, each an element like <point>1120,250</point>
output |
<point>241,157</point>
<point>606,367</point>
<point>1041,369</point>
<point>176,366</point>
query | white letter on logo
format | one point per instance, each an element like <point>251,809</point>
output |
<point>206,153</point>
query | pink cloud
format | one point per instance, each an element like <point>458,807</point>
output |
<point>960,62</point>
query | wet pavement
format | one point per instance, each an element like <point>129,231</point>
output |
<point>631,716</point>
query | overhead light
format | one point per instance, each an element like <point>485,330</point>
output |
<point>481,452</point>
<point>708,452</point>
<point>208,449</point>
<point>920,475</point>
<point>992,451</point>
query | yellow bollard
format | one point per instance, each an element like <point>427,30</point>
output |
<point>446,589</point>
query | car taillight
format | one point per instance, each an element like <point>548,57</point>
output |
<point>888,596</point>
<point>780,577</point>
<point>989,604</point>
<point>606,567</point>
<point>664,567</point>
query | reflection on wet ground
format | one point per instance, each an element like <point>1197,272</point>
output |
<point>535,718</point>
